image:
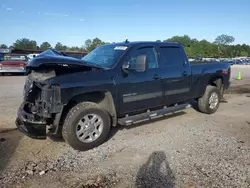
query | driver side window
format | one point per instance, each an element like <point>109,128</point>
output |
<point>149,52</point>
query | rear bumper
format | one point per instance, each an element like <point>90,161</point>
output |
<point>28,125</point>
<point>12,71</point>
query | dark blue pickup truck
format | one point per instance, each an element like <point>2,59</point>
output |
<point>119,83</point>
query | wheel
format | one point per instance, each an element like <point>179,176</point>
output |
<point>210,101</point>
<point>86,126</point>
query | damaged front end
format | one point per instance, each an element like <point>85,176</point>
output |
<point>41,105</point>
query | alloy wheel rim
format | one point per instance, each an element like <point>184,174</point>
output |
<point>89,128</point>
<point>213,100</point>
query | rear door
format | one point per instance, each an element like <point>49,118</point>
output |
<point>176,75</point>
<point>141,90</point>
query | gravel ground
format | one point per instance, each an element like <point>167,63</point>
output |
<point>184,149</point>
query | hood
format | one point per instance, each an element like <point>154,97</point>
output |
<point>52,57</point>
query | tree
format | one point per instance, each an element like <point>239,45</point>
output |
<point>92,44</point>
<point>224,39</point>
<point>25,43</point>
<point>243,54</point>
<point>88,44</point>
<point>45,46</point>
<point>184,40</point>
<point>60,47</point>
<point>97,42</point>
<point>74,49</point>
<point>3,46</point>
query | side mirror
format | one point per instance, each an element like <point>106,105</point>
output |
<point>126,67</point>
<point>141,63</point>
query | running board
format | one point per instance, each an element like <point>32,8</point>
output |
<point>149,115</point>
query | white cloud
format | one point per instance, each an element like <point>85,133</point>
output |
<point>54,14</point>
<point>46,13</point>
<point>9,9</point>
<point>81,20</point>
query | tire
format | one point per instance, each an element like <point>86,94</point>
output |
<point>75,116</point>
<point>203,102</point>
<point>220,87</point>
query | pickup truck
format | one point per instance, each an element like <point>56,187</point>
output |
<point>13,63</point>
<point>118,83</point>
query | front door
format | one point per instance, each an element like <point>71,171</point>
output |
<point>141,90</point>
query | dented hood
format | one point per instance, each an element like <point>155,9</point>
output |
<point>52,57</point>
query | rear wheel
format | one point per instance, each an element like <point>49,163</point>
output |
<point>86,126</point>
<point>210,101</point>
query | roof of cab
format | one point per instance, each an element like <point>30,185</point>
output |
<point>146,43</point>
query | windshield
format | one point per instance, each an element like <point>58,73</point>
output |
<point>106,55</point>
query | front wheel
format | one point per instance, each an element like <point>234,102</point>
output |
<point>86,126</point>
<point>210,101</point>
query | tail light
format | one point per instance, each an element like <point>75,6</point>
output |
<point>1,66</point>
<point>22,65</point>
<point>226,72</point>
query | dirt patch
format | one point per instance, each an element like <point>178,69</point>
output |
<point>7,130</point>
<point>240,89</point>
<point>8,144</point>
<point>100,181</point>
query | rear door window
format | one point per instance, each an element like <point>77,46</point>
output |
<point>172,56</point>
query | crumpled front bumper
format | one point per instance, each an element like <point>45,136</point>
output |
<point>28,125</point>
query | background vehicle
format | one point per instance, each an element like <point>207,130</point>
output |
<point>123,82</point>
<point>13,63</point>
<point>31,56</point>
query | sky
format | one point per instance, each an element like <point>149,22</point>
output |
<point>71,22</point>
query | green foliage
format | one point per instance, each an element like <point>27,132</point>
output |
<point>92,44</point>
<point>88,44</point>
<point>243,54</point>
<point>45,46</point>
<point>25,43</point>
<point>224,39</point>
<point>203,48</point>
<point>3,46</point>
<point>60,47</point>
<point>74,49</point>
